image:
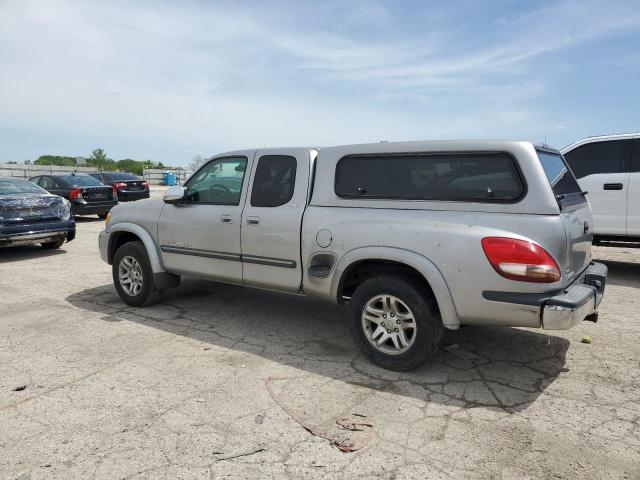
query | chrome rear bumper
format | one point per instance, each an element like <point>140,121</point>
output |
<point>578,301</point>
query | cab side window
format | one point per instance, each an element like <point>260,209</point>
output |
<point>611,156</point>
<point>219,182</point>
<point>274,181</point>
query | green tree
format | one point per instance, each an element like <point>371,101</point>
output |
<point>98,156</point>
<point>100,160</point>
<point>130,165</point>
<point>58,160</point>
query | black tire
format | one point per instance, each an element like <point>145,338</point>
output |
<point>102,215</point>
<point>428,332</point>
<point>54,244</point>
<point>148,294</point>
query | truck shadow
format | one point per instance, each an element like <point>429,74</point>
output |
<point>492,367</point>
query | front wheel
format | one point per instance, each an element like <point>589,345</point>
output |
<point>395,322</point>
<point>132,275</point>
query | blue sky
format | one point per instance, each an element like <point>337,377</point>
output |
<point>171,80</point>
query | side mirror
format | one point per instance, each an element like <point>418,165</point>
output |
<point>174,194</point>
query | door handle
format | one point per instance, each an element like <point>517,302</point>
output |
<point>612,186</point>
<point>226,219</point>
<point>253,220</point>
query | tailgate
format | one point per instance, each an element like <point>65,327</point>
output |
<point>578,224</point>
<point>574,212</point>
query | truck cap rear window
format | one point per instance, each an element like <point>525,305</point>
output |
<point>490,177</point>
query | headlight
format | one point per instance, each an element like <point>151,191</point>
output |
<point>64,212</point>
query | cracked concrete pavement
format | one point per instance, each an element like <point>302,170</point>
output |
<point>178,390</point>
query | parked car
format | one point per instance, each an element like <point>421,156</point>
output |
<point>87,195</point>
<point>127,186</point>
<point>29,215</point>
<point>415,237</point>
<point>608,167</point>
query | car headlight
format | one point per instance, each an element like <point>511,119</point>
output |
<point>64,212</point>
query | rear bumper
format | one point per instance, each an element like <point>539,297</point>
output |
<point>557,310</point>
<point>132,195</point>
<point>92,208</point>
<point>579,301</point>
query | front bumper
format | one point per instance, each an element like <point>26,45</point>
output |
<point>577,302</point>
<point>31,234</point>
<point>103,245</point>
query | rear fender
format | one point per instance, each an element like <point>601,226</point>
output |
<point>144,236</point>
<point>420,263</point>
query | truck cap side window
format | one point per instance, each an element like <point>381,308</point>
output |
<point>219,182</point>
<point>563,183</point>
<point>274,181</point>
<point>420,176</point>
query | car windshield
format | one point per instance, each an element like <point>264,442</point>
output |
<point>17,187</point>
<point>81,180</point>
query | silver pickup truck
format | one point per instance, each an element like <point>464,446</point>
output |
<point>415,237</point>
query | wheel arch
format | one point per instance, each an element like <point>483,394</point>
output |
<point>397,258</point>
<point>122,233</point>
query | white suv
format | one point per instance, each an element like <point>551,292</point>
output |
<point>608,167</point>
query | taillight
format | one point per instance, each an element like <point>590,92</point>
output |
<point>119,185</point>
<point>520,260</point>
<point>75,194</point>
<point>145,185</point>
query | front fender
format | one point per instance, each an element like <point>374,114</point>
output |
<point>421,263</point>
<point>144,236</point>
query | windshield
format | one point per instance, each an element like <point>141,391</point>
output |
<point>17,186</point>
<point>81,180</point>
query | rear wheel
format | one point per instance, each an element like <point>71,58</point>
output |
<point>132,275</point>
<point>53,245</point>
<point>395,322</point>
